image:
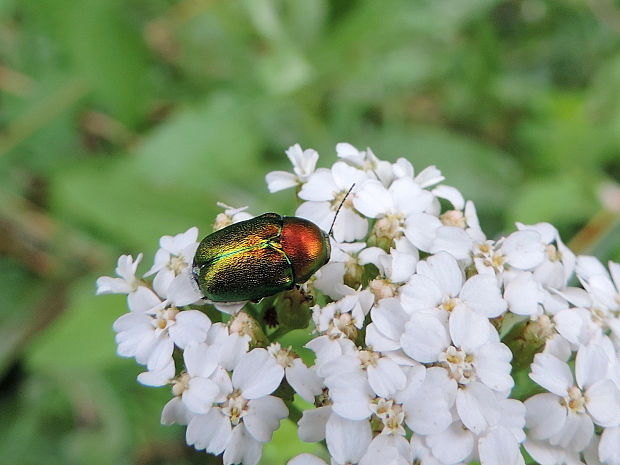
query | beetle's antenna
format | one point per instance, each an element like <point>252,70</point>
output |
<point>338,210</point>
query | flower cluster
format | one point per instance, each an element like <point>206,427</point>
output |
<point>422,326</point>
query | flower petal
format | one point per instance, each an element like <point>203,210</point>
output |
<point>312,424</point>
<point>242,448</point>
<point>211,432</point>
<point>603,403</point>
<point>347,440</point>
<point>424,338</point>
<point>544,416</point>
<point>257,374</point>
<point>191,327</point>
<point>200,395</point>
<point>552,374</point>
<point>263,417</point>
<point>304,380</point>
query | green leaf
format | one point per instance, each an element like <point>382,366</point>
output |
<point>171,182</point>
<point>562,199</point>
<point>104,48</point>
<point>82,335</point>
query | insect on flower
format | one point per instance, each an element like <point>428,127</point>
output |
<point>261,256</point>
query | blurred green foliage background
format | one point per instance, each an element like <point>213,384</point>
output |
<point>124,120</point>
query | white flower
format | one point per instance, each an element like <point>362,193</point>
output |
<point>183,289</point>
<point>422,454</point>
<point>366,161</point>
<point>350,393</point>
<point>604,292</point>
<point>344,267</point>
<point>356,378</point>
<point>404,346</point>
<point>471,353</point>
<point>399,209</point>
<point>428,177</point>
<point>454,240</point>
<point>233,340</point>
<point>303,166</point>
<point>559,264</point>
<point>500,445</point>
<point>566,415</point>
<point>524,294</point>
<point>578,326</point>
<point>398,265</point>
<point>324,192</point>
<point>546,454</point>
<point>302,379</point>
<point>428,399</point>
<point>176,253</point>
<point>454,444</point>
<point>151,329</point>
<point>344,317</point>
<point>193,390</point>
<point>523,250</point>
<point>327,348</point>
<point>440,283</point>
<point>127,283</point>
<point>247,416</point>
<point>231,215</point>
<point>197,390</point>
<point>392,416</point>
<point>388,325</point>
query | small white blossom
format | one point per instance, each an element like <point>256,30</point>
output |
<point>400,210</point>
<point>151,329</point>
<point>344,272</point>
<point>324,192</point>
<point>303,163</point>
<point>176,253</point>
<point>247,415</point>
<point>565,416</point>
<point>230,215</point>
<point>127,283</point>
<point>302,379</point>
<point>604,291</point>
<point>523,250</point>
<point>366,161</point>
<point>342,319</point>
<point>559,263</point>
<point>440,283</point>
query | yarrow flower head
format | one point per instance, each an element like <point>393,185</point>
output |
<point>421,330</point>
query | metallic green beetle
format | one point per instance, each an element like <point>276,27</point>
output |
<point>259,257</point>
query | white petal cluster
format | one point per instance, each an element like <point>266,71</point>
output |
<point>432,343</point>
<point>222,392</point>
<point>432,355</point>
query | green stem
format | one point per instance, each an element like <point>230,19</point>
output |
<point>294,413</point>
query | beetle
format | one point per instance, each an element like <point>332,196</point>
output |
<point>260,257</point>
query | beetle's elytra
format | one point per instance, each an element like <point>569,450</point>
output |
<point>259,257</point>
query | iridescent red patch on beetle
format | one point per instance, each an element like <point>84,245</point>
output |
<point>304,244</point>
